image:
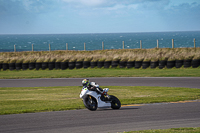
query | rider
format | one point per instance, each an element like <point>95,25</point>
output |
<point>94,87</point>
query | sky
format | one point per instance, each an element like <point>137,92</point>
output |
<point>98,16</point>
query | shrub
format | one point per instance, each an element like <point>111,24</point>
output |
<point>102,55</point>
<point>13,60</point>
<point>19,60</point>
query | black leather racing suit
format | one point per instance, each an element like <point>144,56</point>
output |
<point>94,88</point>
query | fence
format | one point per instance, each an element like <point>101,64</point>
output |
<point>123,45</point>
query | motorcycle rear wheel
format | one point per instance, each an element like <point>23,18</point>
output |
<point>115,104</point>
<point>90,103</point>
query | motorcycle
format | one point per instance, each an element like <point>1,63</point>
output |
<point>92,100</point>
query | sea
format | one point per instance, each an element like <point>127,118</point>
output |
<point>93,41</point>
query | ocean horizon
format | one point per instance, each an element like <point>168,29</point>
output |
<point>93,41</point>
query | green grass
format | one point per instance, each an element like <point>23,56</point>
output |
<point>41,99</point>
<point>172,130</point>
<point>97,72</point>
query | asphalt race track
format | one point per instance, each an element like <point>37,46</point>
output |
<point>137,117</point>
<point>122,81</point>
<point>155,116</point>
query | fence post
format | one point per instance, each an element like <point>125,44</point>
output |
<point>194,43</point>
<point>84,46</point>
<point>32,48</point>
<point>123,44</point>
<point>66,46</point>
<point>140,44</point>
<point>14,48</point>
<point>172,43</point>
<point>102,46</point>
<point>157,44</point>
<point>49,47</point>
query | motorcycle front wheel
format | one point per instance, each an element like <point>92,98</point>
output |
<point>90,103</point>
<point>115,104</point>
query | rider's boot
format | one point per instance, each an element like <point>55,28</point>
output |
<point>106,95</point>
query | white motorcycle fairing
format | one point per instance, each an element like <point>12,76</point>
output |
<point>101,104</point>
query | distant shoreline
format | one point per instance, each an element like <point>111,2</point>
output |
<point>94,33</point>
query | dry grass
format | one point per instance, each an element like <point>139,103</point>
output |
<point>102,55</point>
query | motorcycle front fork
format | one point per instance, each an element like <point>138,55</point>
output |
<point>90,99</point>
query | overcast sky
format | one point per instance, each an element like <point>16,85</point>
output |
<point>98,16</point>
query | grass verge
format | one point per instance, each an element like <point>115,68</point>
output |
<point>172,130</point>
<point>41,99</point>
<point>97,72</point>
